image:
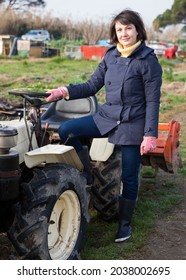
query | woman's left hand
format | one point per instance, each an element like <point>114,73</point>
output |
<point>148,144</point>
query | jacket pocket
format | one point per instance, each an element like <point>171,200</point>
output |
<point>110,111</point>
<point>125,114</point>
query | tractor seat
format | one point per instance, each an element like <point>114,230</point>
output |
<point>62,110</point>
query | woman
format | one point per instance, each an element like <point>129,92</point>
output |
<point>132,78</point>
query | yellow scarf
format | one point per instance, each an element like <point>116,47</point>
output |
<point>125,52</point>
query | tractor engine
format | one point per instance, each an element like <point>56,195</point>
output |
<point>9,164</point>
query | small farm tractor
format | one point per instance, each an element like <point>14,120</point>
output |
<point>44,197</point>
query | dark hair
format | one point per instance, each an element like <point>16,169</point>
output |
<point>128,17</point>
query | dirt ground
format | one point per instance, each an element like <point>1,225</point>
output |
<point>168,239</point>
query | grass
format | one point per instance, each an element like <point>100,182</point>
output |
<point>169,101</point>
<point>158,194</point>
<point>43,74</point>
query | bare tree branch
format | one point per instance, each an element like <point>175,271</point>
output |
<point>21,4</point>
<point>92,32</point>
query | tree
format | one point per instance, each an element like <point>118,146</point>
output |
<point>22,4</point>
<point>175,15</point>
<point>179,11</point>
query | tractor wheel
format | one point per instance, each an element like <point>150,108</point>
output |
<point>107,186</point>
<point>51,218</point>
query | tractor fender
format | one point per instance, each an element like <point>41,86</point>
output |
<point>53,154</point>
<point>101,149</point>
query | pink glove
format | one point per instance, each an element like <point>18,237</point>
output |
<point>148,144</point>
<point>56,94</point>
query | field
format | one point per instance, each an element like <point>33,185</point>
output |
<point>159,226</point>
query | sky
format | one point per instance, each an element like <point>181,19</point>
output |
<point>106,9</point>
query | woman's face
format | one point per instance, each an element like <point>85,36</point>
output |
<point>126,34</point>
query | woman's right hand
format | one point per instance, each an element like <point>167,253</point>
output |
<point>57,93</point>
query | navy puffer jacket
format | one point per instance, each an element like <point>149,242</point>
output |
<point>132,87</point>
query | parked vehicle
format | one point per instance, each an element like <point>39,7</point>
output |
<point>159,49</point>
<point>36,35</point>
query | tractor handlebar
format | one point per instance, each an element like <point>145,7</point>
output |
<point>22,93</point>
<point>32,97</point>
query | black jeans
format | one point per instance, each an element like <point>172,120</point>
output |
<point>71,133</point>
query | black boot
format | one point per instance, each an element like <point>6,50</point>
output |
<point>126,209</point>
<point>84,157</point>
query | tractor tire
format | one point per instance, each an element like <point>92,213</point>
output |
<point>107,186</point>
<point>52,216</point>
